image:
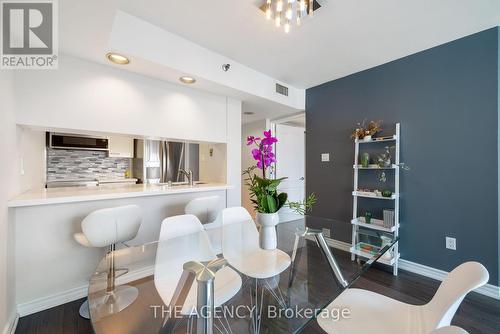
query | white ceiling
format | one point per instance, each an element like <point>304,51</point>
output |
<point>344,37</point>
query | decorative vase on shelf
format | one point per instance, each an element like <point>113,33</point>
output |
<point>390,253</point>
<point>267,236</point>
<point>386,193</point>
<point>365,160</point>
<point>368,217</point>
<point>367,138</point>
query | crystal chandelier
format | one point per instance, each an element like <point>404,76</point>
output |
<point>286,12</point>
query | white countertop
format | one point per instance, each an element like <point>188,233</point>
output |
<point>127,180</point>
<point>82,194</point>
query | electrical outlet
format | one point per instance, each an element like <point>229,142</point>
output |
<point>325,157</point>
<point>451,243</point>
<point>326,232</point>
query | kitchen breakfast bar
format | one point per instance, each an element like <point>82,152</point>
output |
<point>51,268</point>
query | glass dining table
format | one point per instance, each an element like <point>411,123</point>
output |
<point>161,279</point>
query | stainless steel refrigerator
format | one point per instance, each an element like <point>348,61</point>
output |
<point>158,161</point>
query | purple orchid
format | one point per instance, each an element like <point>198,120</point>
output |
<point>263,154</point>
<point>252,139</point>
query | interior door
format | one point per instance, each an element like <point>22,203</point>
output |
<point>290,157</point>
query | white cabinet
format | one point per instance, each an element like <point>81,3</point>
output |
<point>121,147</point>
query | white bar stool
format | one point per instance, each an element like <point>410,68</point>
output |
<point>206,209</point>
<point>106,228</point>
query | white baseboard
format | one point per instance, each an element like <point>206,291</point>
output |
<point>11,325</point>
<point>44,303</point>
<point>437,274</point>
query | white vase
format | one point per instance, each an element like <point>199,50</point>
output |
<point>268,222</point>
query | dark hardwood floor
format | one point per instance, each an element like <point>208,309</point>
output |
<point>477,314</point>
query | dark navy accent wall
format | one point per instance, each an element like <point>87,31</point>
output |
<point>446,99</point>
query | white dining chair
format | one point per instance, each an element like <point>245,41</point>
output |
<point>169,264</point>
<point>240,247</point>
<point>207,210</point>
<point>369,310</point>
<point>449,330</point>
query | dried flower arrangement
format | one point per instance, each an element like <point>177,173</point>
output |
<point>362,131</point>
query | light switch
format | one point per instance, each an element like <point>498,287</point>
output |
<point>325,157</point>
<point>451,243</point>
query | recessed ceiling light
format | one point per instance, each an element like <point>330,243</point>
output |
<point>117,58</point>
<point>248,113</point>
<point>187,80</point>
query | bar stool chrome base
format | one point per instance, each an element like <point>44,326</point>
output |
<point>84,310</point>
<point>109,303</point>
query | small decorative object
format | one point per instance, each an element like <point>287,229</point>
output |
<point>384,159</point>
<point>365,159</point>
<point>368,217</point>
<point>264,192</point>
<point>382,177</point>
<point>386,193</point>
<point>388,218</point>
<point>366,132</point>
<point>386,241</point>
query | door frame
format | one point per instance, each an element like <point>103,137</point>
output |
<point>272,125</point>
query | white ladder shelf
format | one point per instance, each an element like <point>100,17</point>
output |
<point>357,221</point>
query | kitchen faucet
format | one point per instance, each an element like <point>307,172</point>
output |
<point>189,175</point>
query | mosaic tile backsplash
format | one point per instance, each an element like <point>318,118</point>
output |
<point>80,164</point>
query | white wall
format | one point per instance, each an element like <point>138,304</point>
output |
<point>249,129</point>
<point>234,152</point>
<point>32,159</point>
<point>82,95</point>
<point>213,168</point>
<point>9,187</point>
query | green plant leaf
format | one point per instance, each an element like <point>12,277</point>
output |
<point>271,204</point>
<point>281,200</point>
<point>275,183</point>
<point>263,205</point>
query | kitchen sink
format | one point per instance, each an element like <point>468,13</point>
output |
<point>177,184</point>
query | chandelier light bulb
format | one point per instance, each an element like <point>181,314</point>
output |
<point>302,5</point>
<point>289,12</point>
<point>269,12</point>
<point>279,6</point>
<point>284,13</point>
